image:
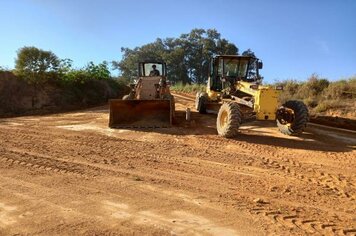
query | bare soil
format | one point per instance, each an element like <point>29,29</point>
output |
<point>69,174</point>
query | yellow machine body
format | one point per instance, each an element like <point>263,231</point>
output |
<point>265,99</point>
<point>235,91</point>
<point>149,104</point>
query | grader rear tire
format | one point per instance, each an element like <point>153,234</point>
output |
<point>292,117</point>
<point>229,120</point>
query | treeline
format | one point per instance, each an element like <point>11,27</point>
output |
<point>37,66</point>
<point>187,56</point>
<point>41,80</point>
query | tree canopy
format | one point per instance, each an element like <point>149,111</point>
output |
<point>34,63</point>
<point>36,66</point>
<point>187,57</point>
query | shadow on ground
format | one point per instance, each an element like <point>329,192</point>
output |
<point>259,132</point>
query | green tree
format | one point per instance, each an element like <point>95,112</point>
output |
<point>90,72</point>
<point>65,66</point>
<point>174,56</point>
<point>187,57</point>
<point>248,52</point>
<point>34,64</point>
<point>100,71</point>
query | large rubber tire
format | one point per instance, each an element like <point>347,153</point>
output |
<point>299,121</point>
<point>200,101</point>
<point>229,119</point>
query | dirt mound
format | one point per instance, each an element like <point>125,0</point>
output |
<point>334,121</point>
<point>15,94</point>
<point>18,97</point>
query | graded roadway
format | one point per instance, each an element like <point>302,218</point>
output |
<point>69,174</point>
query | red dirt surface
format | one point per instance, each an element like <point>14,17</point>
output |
<point>69,174</point>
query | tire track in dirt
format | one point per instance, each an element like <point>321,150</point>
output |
<point>127,184</point>
<point>268,157</point>
<point>225,172</point>
<point>87,169</point>
<point>307,225</point>
<point>45,164</point>
<point>273,164</point>
<point>289,166</point>
<point>146,150</point>
<point>267,161</point>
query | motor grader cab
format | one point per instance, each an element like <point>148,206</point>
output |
<point>149,103</point>
<point>235,91</point>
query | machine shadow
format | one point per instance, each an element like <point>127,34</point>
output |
<point>198,125</point>
<point>314,145</point>
<point>262,133</point>
<point>308,140</point>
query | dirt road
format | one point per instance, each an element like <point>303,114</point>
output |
<point>68,174</point>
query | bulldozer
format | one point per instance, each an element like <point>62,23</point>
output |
<point>235,91</point>
<point>149,103</point>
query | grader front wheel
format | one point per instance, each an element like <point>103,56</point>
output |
<point>292,117</point>
<point>229,119</point>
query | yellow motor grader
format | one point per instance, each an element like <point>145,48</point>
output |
<point>149,104</point>
<point>234,90</point>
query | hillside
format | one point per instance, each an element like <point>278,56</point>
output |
<point>19,97</point>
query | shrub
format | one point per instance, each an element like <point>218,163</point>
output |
<point>100,71</point>
<point>319,94</point>
<point>321,107</point>
<point>310,102</point>
<point>343,89</point>
<point>312,88</point>
<point>290,90</point>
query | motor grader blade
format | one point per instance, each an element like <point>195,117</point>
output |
<point>140,113</point>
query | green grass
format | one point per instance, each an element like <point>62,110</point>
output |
<point>188,88</point>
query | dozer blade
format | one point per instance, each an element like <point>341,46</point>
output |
<point>140,113</point>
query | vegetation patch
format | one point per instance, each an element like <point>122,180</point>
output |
<point>188,88</point>
<point>42,83</point>
<point>322,96</point>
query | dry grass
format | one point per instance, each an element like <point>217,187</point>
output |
<point>321,95</point>
<point>188,88</point>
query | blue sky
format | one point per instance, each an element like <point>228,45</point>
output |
<point>293,38</point>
